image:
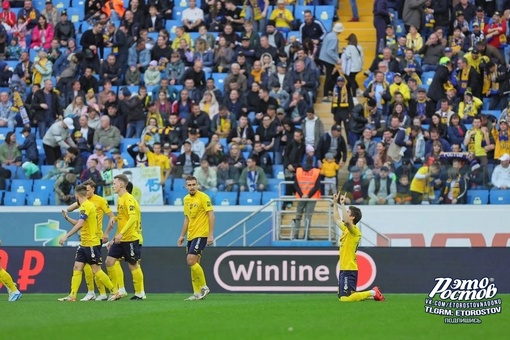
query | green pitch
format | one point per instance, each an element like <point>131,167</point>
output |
<point>238,316</point>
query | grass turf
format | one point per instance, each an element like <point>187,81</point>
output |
<point>238,316</point>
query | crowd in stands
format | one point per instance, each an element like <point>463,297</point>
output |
<point>225,90</point>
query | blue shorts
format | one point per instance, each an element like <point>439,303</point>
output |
<point>130,251</point>
<point>89,255</point>
<point>196,245</point>
<point>347,282</point>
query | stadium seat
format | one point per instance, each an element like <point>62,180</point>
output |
<point>128,160</point>
<point>477,196</point>
<point>22,185</point>
<point>250,198</point>
<point>325,15</point>
<point>85,26</point>
<point>225,198</point>
<point>63,4</point>
<point>45,169</point>
<point>427,77</point>
<point>268,196</point>
<point>299,12</point>
<point>14,199</point>
<point>170,26</point>
<point>39,4</point>
<point>178,14</point>
<point>20,174</point>
<point>274,184</point>
<point>178,184</point>
<point>44,185</point>
<point>38,198</point>
<point>277,169</point>
<point>499,196</point>
<point>75,14</point>
<point>219,80</point>
<point>175,197</point>
<point>294,34</point>
<point>3,132</point>
<point>400,30</point>
<point>126,143</point>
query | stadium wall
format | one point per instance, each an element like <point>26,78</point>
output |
<point>290,270</point>
<point>406,226</point>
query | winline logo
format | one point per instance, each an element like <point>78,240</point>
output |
<point>287,270</point>
<point>463,301</point>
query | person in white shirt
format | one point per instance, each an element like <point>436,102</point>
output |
<point>501,174</point>
<point>192,17</point>
<point>197,146</point>
<point>313,129</point>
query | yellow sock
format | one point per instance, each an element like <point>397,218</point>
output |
<point>100,286</point>
<point>106,282</point>
<point>199,274</point>
<point>119,275</point>
<point>137,280</point>
<point>76,282</point>
<point>194,282</point>
<point>112,273</point>
<point>6,279</point>
<point>357,296</point>
<point>89,277</point>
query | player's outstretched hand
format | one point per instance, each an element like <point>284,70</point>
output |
<point>117,238</point>
<point>180,241</point>
<point>62,240</point>
<point>64,213</point>
<point>210,240</point>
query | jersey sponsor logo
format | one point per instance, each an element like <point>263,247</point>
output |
<point>287,270</point>
<point>463,300</point>
<point>131,208</point>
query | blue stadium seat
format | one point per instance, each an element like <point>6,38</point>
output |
<point>170,26</point>
<point>85,26</point>
<point>299,12</point>
<point>178,184</point>
<point>127,142</point>
<point>477,196</point>
<point>14,199</point>
<point>45,169</point>
<point>219,80</point>
<point>486,103</point>
<point>225,198</point>
<point>277,168</point>
<point>325,15</point>
<point>12,63</point>
<point>294,34</point>
<point>400,30</point>
<point>174,197</point>
<point>22,185</point>
<point>223,142</point>
<point>250,198</point>
<point>44,185</point>
<point>63,4</point>
<point>20,174</point>
<point>3,132</point>
<point>178,14</point>
<point>268,196</point>
<point>499,196</point>
<point>38,4</point>
<point>106,52</point>
<point>427,77</point>
<point>76,15</point>
<point>274,183</point>
<point>38,198</point>
<point>204,140</point>
<point>128,159</point>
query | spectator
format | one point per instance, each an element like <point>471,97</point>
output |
<point>31,170</point>
<point>30,14</point>
<point>228,176</point>
<point>43,68</point>
<point>187,161</point>
<point>7,16</point>
<point>236,76</point>
<point>42,34</point>
<point>111,70</point>
<point>152,75</point>
<point>355,187</point>
<point>214,154</point>
<point>132,107</point>
<point>313,129</point>
<point>252,178</point>
<point>139,56</point>
<point>86,132</point>
<point>206,176</point>
<point>501,174</point>
<point>422,188</point>
<point>197,146</point>
<point>64,29</point>
<point>382,189</point>
<point>92,172</point>
<point>63,187</point>
<point>92,41</point>
<point>173,133</point>
<point>242,135</point>
<point>223,122</point>
<point>360,153</point>
<point>29,145</point>
<point>454,189</point>
<point>107,135</point>
<point>262,159</point>
<point>9,150</point>
<point>332,142</point>
<point>156,158</point>
<point>432,51</point>
<point>7,111</point>
<point>116,120</point>
<point>192,17</point>
<point>46,108</point>
<point>312,28</point>
<point>99,155</point>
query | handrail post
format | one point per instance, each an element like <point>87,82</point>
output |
<point>244,234</point>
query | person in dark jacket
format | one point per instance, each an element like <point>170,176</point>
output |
<point>186,162</point>
<point>29,145</point>
<point>46,107</point>
<point>93,38</point>
<point>442,10</point>
<point>437,87</point>
<point>262,159</point>
<point>357,121</point>
<point>332,140</point>
<point>381,18</point>
<point>132,108</point>
<point>292,158</point>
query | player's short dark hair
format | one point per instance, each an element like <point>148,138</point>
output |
<point>123,178</point>
<point>191,178</point>
<point>129,187</point>
<point>90,182</point>
<point>356,213</point>
<point>80,190</point>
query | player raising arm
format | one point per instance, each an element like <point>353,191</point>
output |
<point>102,208</point>
<point>349,241</point>
<point>199,226</point>
<point>89,250</point>
<point>6,280</point>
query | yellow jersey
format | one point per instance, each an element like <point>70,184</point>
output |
<point>420,184</point>
<point>159,160</point>
<point>475,143</point>
<point>127,207</point>
<point>102,208</point>
<point>349,242</point>
<point>196,208</point>
<point>281,16</point>
<point>88,237</point>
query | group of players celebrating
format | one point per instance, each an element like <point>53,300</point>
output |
<point>198,226</point>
